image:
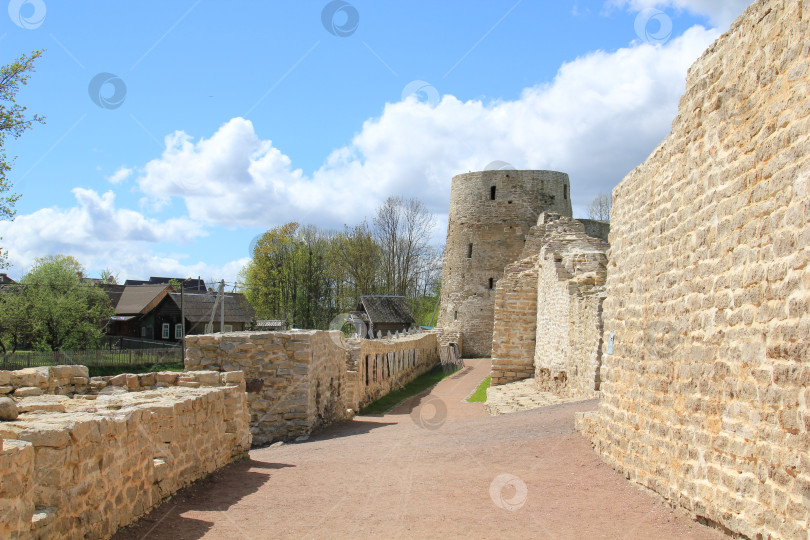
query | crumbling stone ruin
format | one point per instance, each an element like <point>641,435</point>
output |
<point>310,378</point>
<point>548,310</point>
<point>490,214</point>
<point>87,455</point>
<point>705,393</point>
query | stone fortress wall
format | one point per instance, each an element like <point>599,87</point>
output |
<point>548,310</point>
<point>705,397</point>
<point>83,465</point>
<point>300,380</point>
<point>490,214</point>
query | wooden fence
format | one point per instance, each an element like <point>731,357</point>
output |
<point>135,357</point>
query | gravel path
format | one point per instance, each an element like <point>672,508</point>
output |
<point>435,467</point>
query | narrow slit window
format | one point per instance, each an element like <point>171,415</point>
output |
<point>469,251</point>
<point>492,193</point>
<point>455,315</point>
<point>491,283</point>
<point>565,192</point>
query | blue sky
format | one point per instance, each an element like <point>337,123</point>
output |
<point>218,120</point>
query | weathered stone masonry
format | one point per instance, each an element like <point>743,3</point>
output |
<point>81,466</point>
<point>705,397</point>
<point>490,214</point>
<point>303,379</point>
<point>548,310</point>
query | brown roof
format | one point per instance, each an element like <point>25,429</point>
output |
<point>140,299</point>
<point>198,307</point>
<point>386,309</point>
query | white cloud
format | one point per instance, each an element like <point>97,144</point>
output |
<point>720,12</point>
<point>97,233</point>
<point>600,117</point>
<point>120,175</point>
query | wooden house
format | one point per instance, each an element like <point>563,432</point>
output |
<point>384,314</point>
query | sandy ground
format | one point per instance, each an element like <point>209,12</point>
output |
<point>435,467</point>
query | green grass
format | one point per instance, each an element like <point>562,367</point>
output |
<point>480,394</point>
<point>104,371</point>
<point>413,388</point>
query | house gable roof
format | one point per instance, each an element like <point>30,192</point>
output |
<point>198,306</point>
<point>386,309</point>
<point>140,299</point>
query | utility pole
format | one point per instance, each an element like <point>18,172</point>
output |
<point>183,320</point>
<point>222,307</point>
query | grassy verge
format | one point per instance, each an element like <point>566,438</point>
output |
<point>104,371</point>
<point>480,394</point>
<point>413,388</point>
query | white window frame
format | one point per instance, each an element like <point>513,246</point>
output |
<point>228,328</point>
<point>166,330</point>
<point>178,331</point>
<point>143,331</point>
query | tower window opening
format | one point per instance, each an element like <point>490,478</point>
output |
<point>469,251</point>
<point>491,283</point>
<point>492,193</point>
<point>455,315</point>
<point>565,192</point>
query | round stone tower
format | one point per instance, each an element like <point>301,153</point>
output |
<point>490,214</point>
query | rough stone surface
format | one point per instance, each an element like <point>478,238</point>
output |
<point>496,230</point>
<point>520,396</point>
<point>82,467</point>
<point>309,378</point>
<point>548,310</point>
<point>8,409</point>
<point>705,395</point>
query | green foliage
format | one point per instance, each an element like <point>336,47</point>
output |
<point>53,308</point>
<point>417,386</point>
<point>480,394</point>
<point>13,121</point>
<point>108,277</point>
<point>308,276</point>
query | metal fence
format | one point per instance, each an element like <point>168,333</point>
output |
<point>101,358</point>
<point>121,342</point>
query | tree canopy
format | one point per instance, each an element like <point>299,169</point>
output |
<point>13,122</point>
<point>600,207</point>
<point>53,308</point>
<point>307,276</point>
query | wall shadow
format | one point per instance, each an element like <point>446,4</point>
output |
<point>215,493</point>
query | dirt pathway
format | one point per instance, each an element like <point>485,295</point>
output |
<point>435,467</point>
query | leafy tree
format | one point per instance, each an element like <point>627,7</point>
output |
<point>64,311</point>
<point>14,122</point>
<point>600,207</point>
<point>16,327</point>
<point>108,277</point>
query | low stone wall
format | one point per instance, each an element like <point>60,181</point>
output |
<point>36,381</point>
<point>386,365</point>
<point>84,466</point>
<point>300,380</point>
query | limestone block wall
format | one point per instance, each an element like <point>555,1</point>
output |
<point>386,365</point>
<point>300,380</point>
<point>548,310</point>
<point>84,466</point>
<point>295,378</point>
<point>490,215</point>
<point>705,395</point>
<point>514,334</point>
<point>62,380</point>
